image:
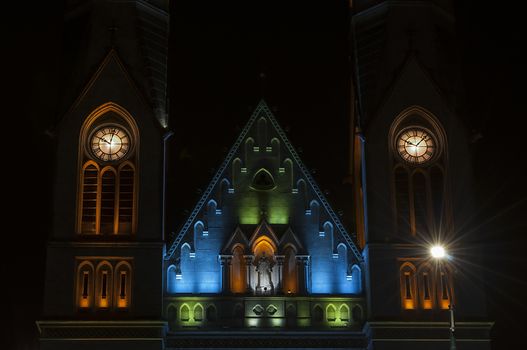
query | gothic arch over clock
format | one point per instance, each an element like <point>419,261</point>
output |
<point>108,178</point>
<point>418,147</point>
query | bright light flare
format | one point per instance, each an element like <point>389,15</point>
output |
<point>437,252</point>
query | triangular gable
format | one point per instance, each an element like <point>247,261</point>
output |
<point>238,237</point>
<point>289,237</point>
<point>263,229</point>
<point>423,86</point>
<point>109,66</point>
<point>262,110</point>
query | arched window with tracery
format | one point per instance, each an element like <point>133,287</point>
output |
<point>108,150</point>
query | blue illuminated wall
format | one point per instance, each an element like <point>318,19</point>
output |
<point>263,178</point>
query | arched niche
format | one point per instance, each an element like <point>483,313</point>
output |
<point>171,279</point>
<point>263,180</point>
<point>356,280</point>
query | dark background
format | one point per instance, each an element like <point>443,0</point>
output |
<point>217,54</point>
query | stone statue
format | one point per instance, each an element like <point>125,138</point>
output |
<point>264,269</point>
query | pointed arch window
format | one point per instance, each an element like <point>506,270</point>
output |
<point>198,313</point>
<point>402,200</point>
<point>107,205</point>
<point>109,145</point>
<point>437,188</point>
<point>426,288</point>
<point>85,286</point>
<point>185,313</point>
<point>103,285</point>
<point>330,313</point>
<point>126,198</point>
<point>408,286</point>
<point>356,279</point>
<point>420,203</point>
<point>344,312</point>
<point>123,284</point>
<point>90,186</point>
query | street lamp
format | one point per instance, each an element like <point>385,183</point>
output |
<point>438,252</point>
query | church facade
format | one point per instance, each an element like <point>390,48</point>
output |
<point>262,260</point>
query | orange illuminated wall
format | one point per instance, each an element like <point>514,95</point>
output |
<point>238,271</point>
<point>289,273</point>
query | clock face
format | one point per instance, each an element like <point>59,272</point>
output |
<point>109,143</point>
<point>416,145</point>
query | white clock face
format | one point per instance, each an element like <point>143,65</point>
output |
<point>109,143</point>
<point>416,145</point>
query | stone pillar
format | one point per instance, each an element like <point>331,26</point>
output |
<point>302,263</point>
<point>225,262</point>
<point>280,267</point>
<point>249,266</point>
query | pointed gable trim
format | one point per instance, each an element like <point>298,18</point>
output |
<point>112,55</point>
<point>392,88</point>
<point>238,237</point>
<point>262,108</point>
<point>315,188</point>
<point>260,233</point>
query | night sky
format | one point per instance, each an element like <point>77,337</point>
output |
<point>217,55</point>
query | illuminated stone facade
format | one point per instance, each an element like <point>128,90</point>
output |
<point>262,261</point>
<point>264,245</point>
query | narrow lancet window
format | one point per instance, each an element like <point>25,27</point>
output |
<point>89,199</point>
<point>85,285</point>
<point>126,199</point>
<point>104,289</point>
<point>108,202</point>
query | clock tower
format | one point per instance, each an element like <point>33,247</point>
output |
<point>105,253</point>
<point>411,176</point>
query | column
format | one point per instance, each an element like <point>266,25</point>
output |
<point>302,263</point>
<point>280,267</point>
<point>249,266</point>
<point>225,262</point>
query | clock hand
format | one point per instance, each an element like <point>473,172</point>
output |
<point>424,138</point>
<point>102,138</point>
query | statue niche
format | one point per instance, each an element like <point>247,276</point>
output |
<point>264,269</point>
